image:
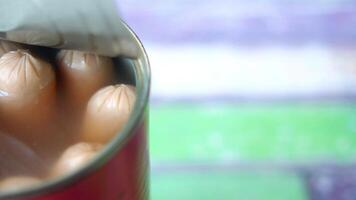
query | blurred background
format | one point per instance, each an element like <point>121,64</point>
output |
<point>251,99</point>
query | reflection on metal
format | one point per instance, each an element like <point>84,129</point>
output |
<point>86,25</point>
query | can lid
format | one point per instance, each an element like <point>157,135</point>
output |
<point>87,25</point>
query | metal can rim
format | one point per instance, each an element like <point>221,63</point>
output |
<point>143,82</point>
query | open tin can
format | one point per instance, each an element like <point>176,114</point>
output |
<point>120,170</point>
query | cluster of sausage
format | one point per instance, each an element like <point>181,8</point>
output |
<point>57,113</point>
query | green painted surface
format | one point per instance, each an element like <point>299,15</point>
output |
<point>226,186</point>
<point>217,132</point>
<point>257,132</point>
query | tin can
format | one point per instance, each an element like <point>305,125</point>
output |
<point>120,171</point>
